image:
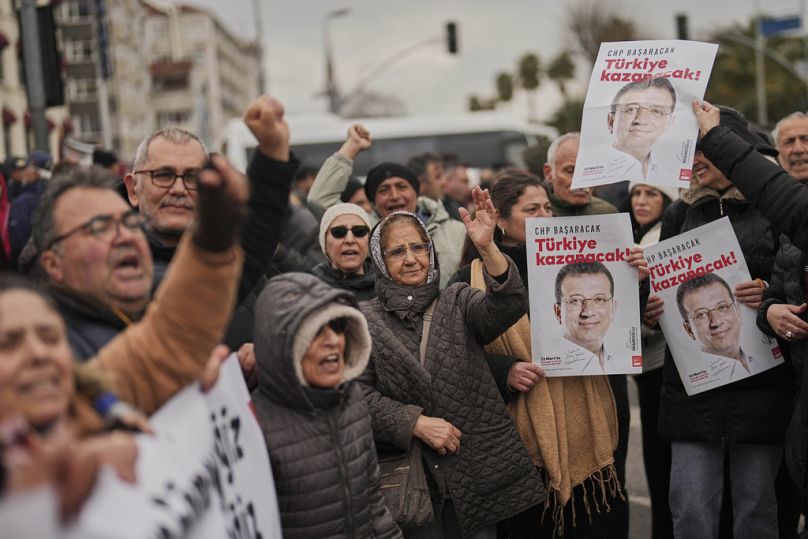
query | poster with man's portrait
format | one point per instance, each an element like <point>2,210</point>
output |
<point>713,337</point>
<point>638,124</point>
<point>584,296</point>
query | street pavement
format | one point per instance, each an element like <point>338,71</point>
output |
<point>639,502</point>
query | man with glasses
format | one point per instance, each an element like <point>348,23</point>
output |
<point>96,249</point>
<point>585,307</point>
<point>640,114</point>
<point>162,185</point>
<point>95,253</point>
<point>712,317</point>
<point>390,187</point>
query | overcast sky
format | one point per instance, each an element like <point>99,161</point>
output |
<point>493,35</point>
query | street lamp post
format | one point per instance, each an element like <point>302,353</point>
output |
<point>331,90</point>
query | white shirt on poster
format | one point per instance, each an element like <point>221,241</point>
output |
<point>582,361</point>
<point>726,369</point>
<point>623,166</point>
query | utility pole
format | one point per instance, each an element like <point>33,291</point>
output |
<point>259,40</point>
<point>34,78</point>
<point>760,77</point>
<point>331,89</point>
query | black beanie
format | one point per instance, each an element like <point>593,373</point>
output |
<point>381,172</point>
<point>350,190</point>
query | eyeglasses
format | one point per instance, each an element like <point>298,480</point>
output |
<point>577,303</point>
<point>103,226</point>
<point>165,177</point>
<point>702,316</point>
<point>359,231</point>
<point>417,249</point>
<point>337,325</point>
<point>657,112</point>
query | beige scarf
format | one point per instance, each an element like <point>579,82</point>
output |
<point>568,424</point>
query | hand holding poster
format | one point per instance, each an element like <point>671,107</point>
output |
<point>638,124</point>
<point>712,336</point>
<point>584,298</point>
<point>205,474</point>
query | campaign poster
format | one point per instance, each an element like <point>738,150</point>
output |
<point>638,123</point>
<point>205,474</point>
<point>584,296</point>
<point>712,336</point>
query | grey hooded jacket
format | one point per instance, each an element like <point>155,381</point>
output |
<point>320,440</point>
<point>492,477</point>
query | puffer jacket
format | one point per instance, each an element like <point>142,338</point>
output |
<point>492,477</point>
<point>320,440</point>
<point>754,410</point>
<point>362,286</point>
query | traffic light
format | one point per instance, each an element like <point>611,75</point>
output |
<point>451,37</point>
<point>681,26</point>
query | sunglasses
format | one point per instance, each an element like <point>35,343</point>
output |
<point>359,231</point>
<point>337,325</point>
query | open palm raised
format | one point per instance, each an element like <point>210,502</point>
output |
<point>481,228</point>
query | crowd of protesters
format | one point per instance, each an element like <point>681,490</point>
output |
<point>382,325</point>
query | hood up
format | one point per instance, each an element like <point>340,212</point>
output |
<point>288,314</point>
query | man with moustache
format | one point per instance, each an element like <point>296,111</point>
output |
<point>791,139</point>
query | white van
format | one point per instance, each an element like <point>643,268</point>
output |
<point>480,139</point>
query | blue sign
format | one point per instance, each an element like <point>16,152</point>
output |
<point>771,27</point>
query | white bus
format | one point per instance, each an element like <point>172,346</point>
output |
<point>480,139</point>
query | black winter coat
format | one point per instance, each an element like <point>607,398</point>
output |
<point>362,286</point>
<point>784,201</point>
<point>753,410</point>
<point>786,287</point>
<point>492,477</point>
<point>89,327</point>
<point>320,440</point>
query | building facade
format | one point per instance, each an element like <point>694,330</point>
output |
<point>202,75</point>
<point>16,137</point>
<point>111,112</point>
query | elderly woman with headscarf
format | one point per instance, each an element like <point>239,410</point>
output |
<point>344,235</point>
<point>445,397</point>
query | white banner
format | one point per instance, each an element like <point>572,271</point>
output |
<point>205,474</point>
<point>638,123</point>
<point>584,297</point>
<point>714,338</point>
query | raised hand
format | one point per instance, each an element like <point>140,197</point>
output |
<point>481,228</point>
<point>481,231</point>
<point>358,141</point>
<point>707,116</point>
<point>223,194</point>
<point>265,119</point>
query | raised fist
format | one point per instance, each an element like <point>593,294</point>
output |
<point>265,119</point>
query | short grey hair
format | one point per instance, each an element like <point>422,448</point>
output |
<point>88,177</point>
<point>793,116</point>
<point>176,135</point>
<point>551,151</point>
